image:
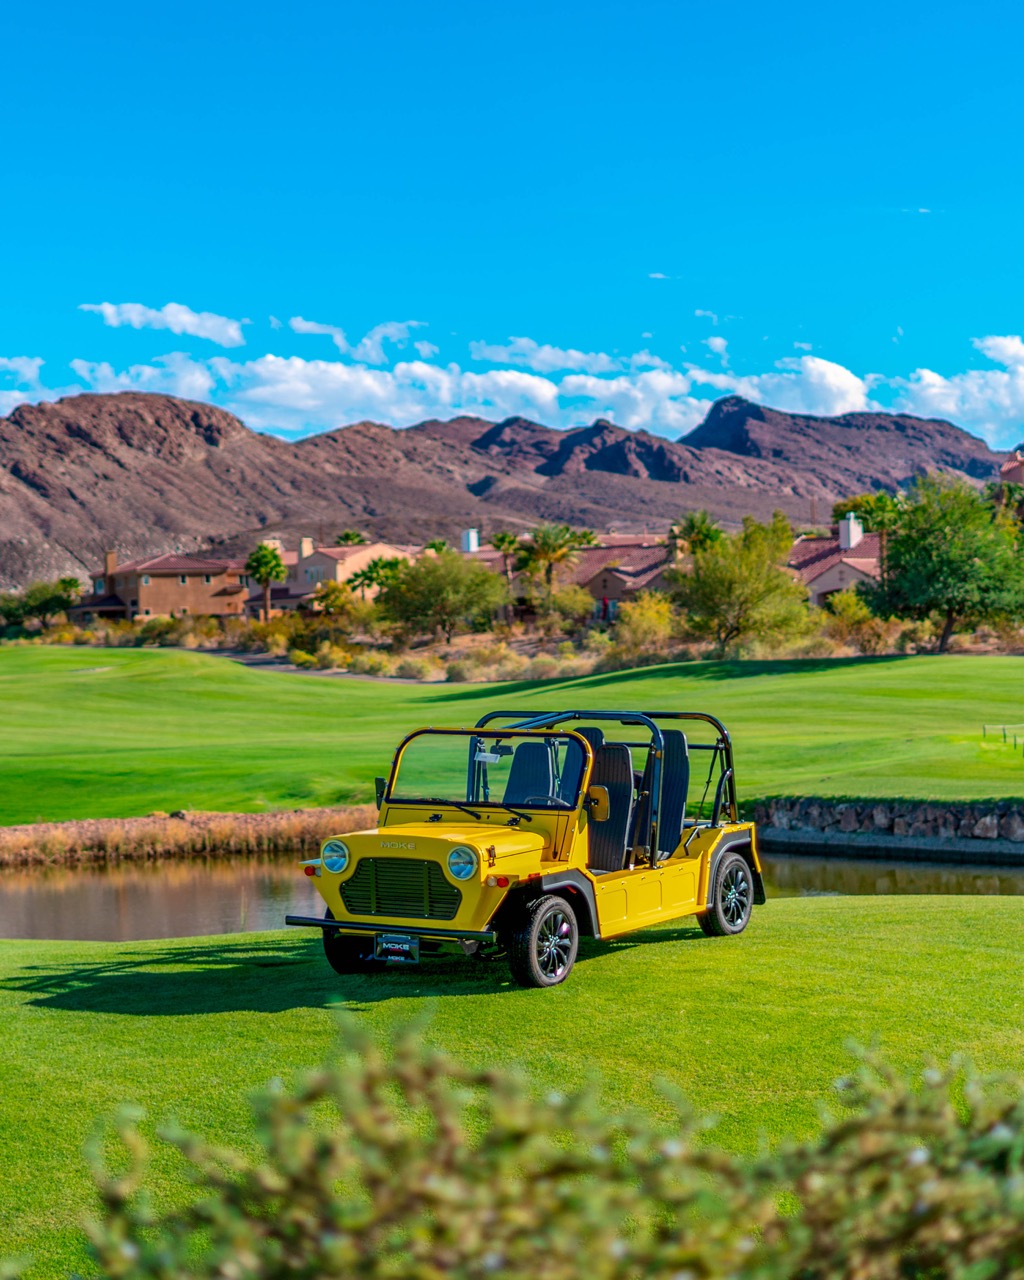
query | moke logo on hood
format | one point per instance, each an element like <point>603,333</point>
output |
<point>397,844</point>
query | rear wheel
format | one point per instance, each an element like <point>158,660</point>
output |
<point>542,946</point>
<point>349,953</point>
<point>732,898</point>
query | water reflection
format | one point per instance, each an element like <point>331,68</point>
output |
<point>789,877</point>
<point>194,899</point>
<point>159,900</point>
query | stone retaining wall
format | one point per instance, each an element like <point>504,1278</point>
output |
<point>981,822</point>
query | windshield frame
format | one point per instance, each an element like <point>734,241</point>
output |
<point>499,731</point>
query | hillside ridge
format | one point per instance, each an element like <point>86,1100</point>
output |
<point>142,473</point>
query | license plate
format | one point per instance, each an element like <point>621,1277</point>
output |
<point>400,948</point>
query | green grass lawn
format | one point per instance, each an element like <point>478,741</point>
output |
<point>117,733</point>
<point>753,1029</point>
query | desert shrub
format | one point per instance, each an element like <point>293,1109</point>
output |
<point>645,623</point>
<point>848,620</point>
<point>573,606</point>
<point>416,669</point>
<point>543,667</point>
<point>917,637</point>
<point>371,662</point>
<point>408,1164</point>
<point>566,650</point>
<point>513,667</point>
<point>458,671</point>
<point>299,658</point>
<point>488,655</point>
<point>598,641</point>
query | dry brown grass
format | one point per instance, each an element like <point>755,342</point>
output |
<point>196,835</point>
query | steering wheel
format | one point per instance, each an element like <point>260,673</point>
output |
<point>555,801</point>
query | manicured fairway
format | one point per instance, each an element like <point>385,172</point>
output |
<point>116,733</point>
<point>753,1029</point>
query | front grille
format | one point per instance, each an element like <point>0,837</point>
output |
<point>400,887</point>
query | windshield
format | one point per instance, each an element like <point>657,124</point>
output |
<point>525,770</point>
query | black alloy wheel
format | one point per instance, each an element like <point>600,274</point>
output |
<point>348,953</point>
<point>732,898</point>
<point>543,945</point>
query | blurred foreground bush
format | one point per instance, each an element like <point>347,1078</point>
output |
<point>412,1166</point>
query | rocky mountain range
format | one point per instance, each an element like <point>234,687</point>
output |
<point>144,474</point>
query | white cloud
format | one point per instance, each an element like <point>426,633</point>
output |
<point>647,335</point>
<point>658,400</point>
<point>25,369</point>
<point>426,350</point>
<point>801,346</point>
<point>542,358</point>
<point>370,348</point>
<point>720,347</point>
<point>656,275</point>
<point>275,323</point>
<point>707,315</point>
<point>176,374</point>
<point>801,384</point>
<point>175,317</point>
<point>989,401</point>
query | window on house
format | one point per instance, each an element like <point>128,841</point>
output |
<point>207,578</point>
<point>183,579</point>
<point>243,579</point>
<point>99,586</point>
<point>146,612</point>
<point>183,612</point>
<point>135,604</point>
<point>145,579</point>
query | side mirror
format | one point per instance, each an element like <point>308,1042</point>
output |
<point>599,804</point>
<point>382,786</point>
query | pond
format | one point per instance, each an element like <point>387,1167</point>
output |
<point>176,899</point>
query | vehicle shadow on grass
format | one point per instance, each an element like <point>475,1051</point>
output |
<point>274,977</point>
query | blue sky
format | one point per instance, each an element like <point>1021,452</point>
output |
<point>318,213</point>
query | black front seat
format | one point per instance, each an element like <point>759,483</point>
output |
<point>675,783</point>
<point>613,768</point>
<point>531,773</point>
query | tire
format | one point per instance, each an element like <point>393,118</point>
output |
<point>732,898</point>
<point>347,953</point>
<point>542,946</point>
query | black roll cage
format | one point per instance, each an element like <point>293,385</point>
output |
<point>725,792</point>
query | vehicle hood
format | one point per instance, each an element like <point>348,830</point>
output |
<point>433,839</point>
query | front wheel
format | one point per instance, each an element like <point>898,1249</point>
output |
<point>732,898</point>
<point>542,947</point>
<point>347,953</point>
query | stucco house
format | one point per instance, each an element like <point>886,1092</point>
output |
<point>309,565</point>
<point>165,586</point>
<point>840,560</point>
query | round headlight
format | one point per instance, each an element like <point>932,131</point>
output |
<point>334,855</point>
<point>462,862</point>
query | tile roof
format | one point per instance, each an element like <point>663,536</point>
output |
<point>174,563</point>
<point>630,562</point>
<point>811,557</point>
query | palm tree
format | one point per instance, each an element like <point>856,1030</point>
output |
<point>381,571</point>
<point>507,545</point>
<point>266,566</point>
<point>349,538</point>
<point>694,532</point>
<point>551,545</point>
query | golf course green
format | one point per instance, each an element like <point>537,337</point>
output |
<point>92,733</point>
<point>754,1029</point>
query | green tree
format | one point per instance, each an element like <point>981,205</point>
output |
<point>693,532</point>
<point>437,544</point>
<point>551,546</point>
<point>42,601</point>
<point>951,554</point>
<point>877,512</point>
<point>736,590</point>
<point>349,538</point>
<point>265,566</point>
<point>333,599</point>
<point>441,593</point>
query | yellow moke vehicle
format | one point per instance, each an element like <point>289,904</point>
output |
<point>531,829</point>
